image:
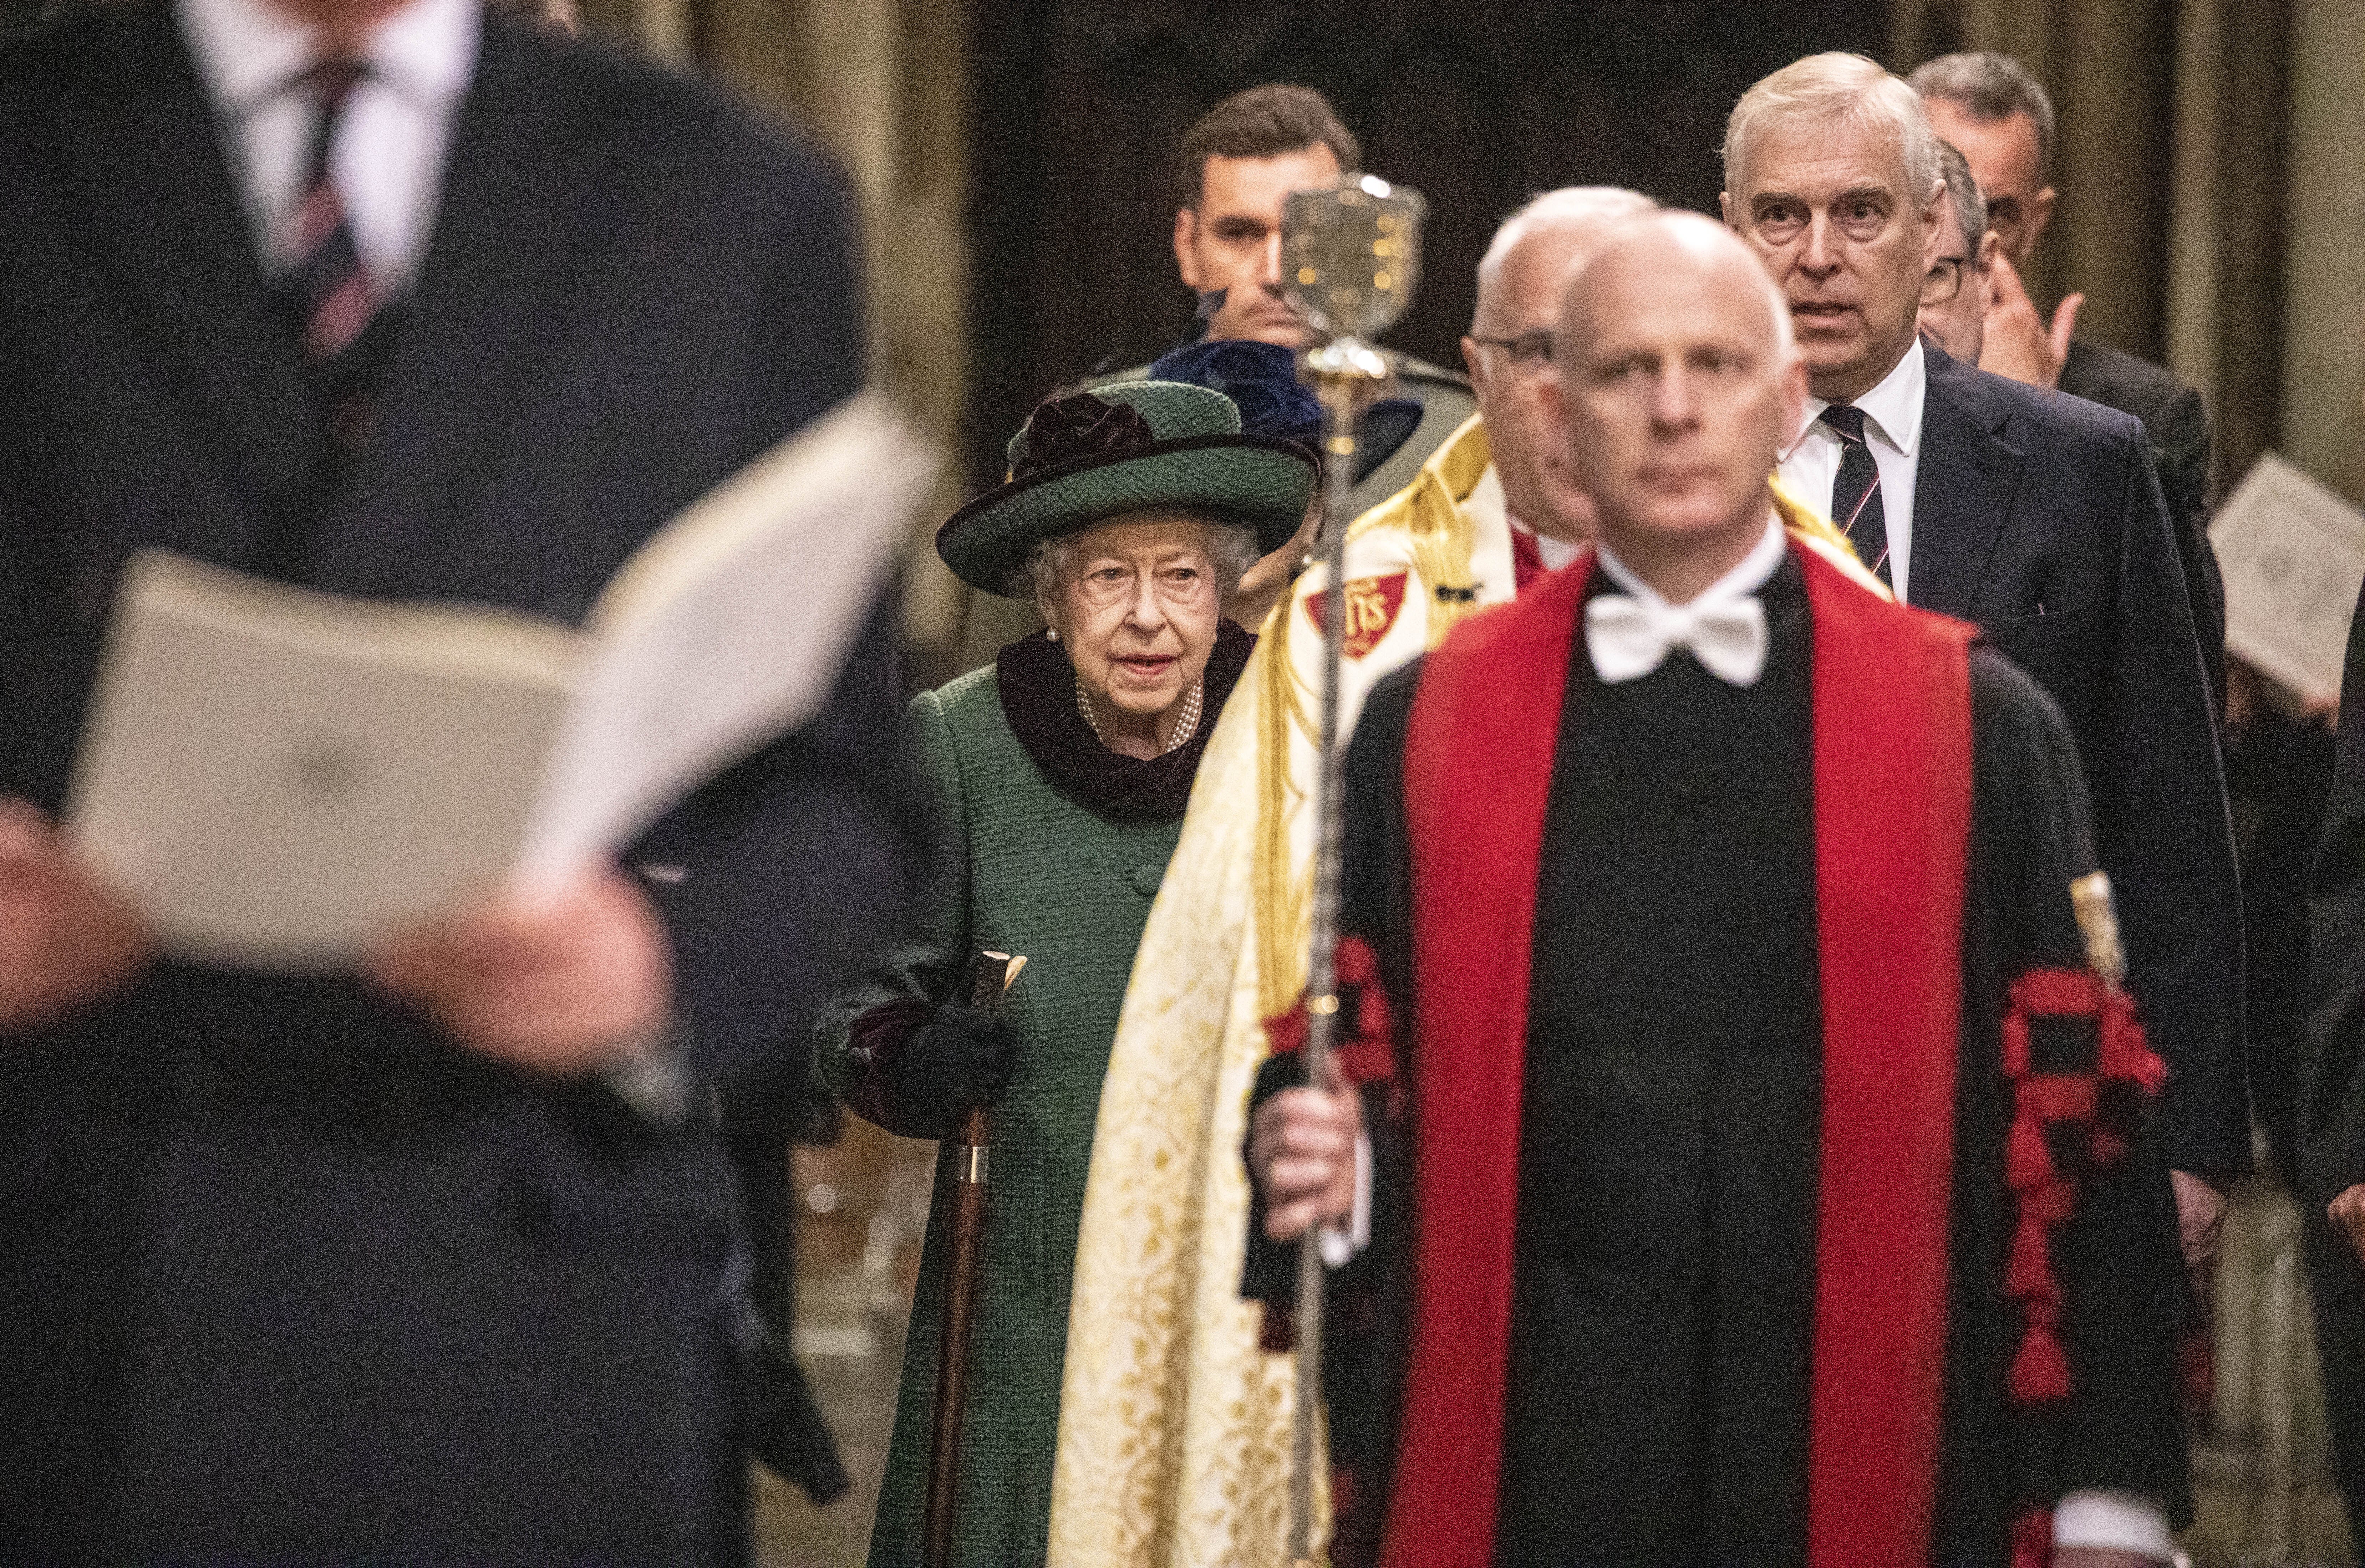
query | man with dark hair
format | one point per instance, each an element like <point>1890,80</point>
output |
<point>1236,166</point>
<point>1988,106</point>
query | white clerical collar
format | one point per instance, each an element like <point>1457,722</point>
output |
<point>1747,576</point>
<point>1892,409</point>
<point>1553,553</point>
<point>247,51</point>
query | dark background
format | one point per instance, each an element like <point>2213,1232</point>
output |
<point>1077,108</point>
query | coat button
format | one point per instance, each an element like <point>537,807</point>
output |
<point>1146,878</point>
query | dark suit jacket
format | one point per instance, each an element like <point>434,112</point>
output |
<point>2332,1127</point>
<point>2177,428</point>
<point>285,1276</point>
<point>2038,517</point>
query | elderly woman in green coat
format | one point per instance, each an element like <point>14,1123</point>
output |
<point>1059,776</point>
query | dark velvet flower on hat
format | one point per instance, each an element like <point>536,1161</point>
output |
<point>1065,428</point>
<point>1129,446</point>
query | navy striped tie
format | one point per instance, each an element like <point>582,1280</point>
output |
<point>331,291</point>
<point>1855,494</point>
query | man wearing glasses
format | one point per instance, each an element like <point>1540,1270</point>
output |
<point>1987,104</point>
<point>2037,517</point>
<point>1957,288</point>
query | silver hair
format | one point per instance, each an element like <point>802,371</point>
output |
<point>1569,207</point>
<point>1970,206</point>
<point>1988,87</point>
<point>1231,551</point>
<point>1848,89</point>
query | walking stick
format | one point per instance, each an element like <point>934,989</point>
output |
<point>1350,256</point>
<point>991,975</point>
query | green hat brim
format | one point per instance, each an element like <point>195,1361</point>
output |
<point>1260,482</point>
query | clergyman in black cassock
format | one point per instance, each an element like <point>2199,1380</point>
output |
<point>1666,1267</point>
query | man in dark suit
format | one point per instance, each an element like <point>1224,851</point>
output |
<point>2036,516</point>
<point>402,300</point>
<point>2329,779</point>
<point>1988,106</point>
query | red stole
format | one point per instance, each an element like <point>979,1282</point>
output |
<point>1892,768</point>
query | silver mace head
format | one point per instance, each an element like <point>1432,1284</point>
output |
<point>1350,255</point>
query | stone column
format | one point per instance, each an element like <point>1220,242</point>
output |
<point>884,85</point>
<point>2323,324</point>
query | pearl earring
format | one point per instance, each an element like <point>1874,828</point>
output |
<point>1053,633</point>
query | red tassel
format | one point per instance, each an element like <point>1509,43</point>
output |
<point>1279,1335</point>
<point>2016,1043</point>
<point>2027,1162</point>
<point>2058,1096</point>
<point>2031,1540</point>
<point>2040,1373</point>
<point>1284,1033</point>
<point>2028,1272</point>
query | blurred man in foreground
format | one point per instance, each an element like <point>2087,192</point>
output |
<point>1700,884</point>
<point>434,1261</point>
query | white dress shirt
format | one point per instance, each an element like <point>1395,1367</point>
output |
<point>388,158</point>
<point>1892,428</point>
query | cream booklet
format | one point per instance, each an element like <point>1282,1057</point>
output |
<point>2292,553</point>
<point>278,776</point>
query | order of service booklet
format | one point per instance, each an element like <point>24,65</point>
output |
<point>2292,553</point>
<point>278,776</point>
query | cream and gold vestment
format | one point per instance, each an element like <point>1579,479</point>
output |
<point>1174,1425</point>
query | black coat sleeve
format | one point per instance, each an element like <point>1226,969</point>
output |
<point>2332,1129</point>
<point>2163,829</point>
<point>2116,1260</point>
<point>2177,435</point>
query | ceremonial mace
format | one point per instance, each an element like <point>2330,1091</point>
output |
<point>990,976</point>
<point>1350,256</point>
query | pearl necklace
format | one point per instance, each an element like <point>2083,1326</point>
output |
<point>1185,728</point>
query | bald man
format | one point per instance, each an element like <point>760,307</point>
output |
<point>1705,885</point>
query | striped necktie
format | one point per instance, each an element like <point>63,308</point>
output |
<point>330,288</point>
<point>1855,493</point>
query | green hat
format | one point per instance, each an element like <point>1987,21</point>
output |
<point>1131,446</point>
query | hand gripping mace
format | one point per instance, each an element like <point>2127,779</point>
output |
<point>1350,255</point>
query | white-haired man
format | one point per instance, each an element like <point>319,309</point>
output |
<point>2036,517</point>
<point>1688,1215</point>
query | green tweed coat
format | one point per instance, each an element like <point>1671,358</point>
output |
<point>1028,872</point>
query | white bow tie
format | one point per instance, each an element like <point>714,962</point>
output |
<point>1628,638</point>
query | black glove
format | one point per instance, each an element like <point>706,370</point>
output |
<point>959,1058</point>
